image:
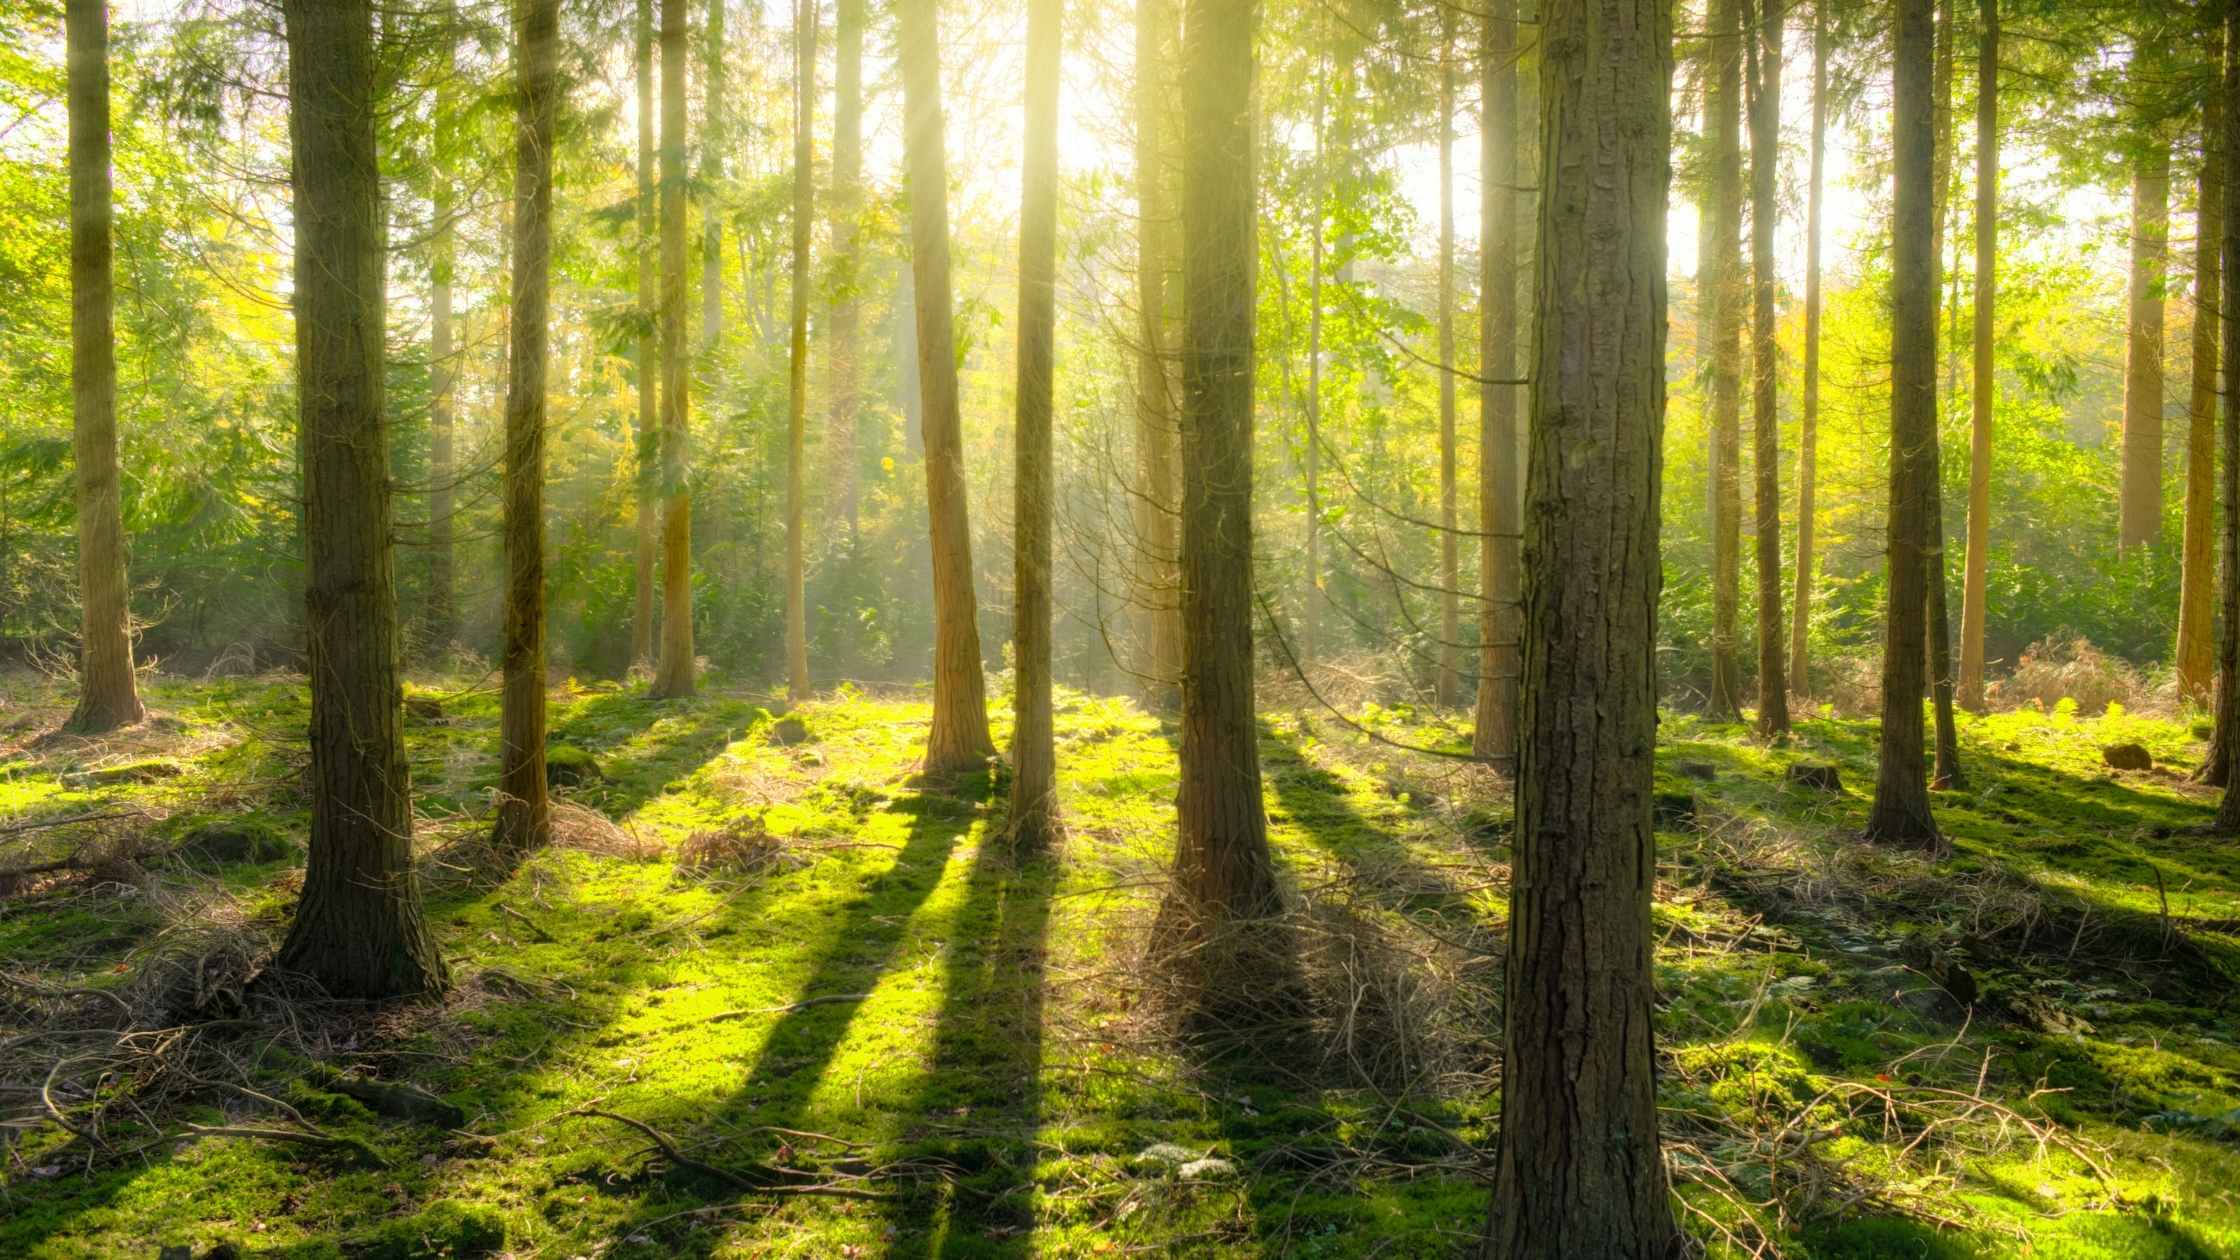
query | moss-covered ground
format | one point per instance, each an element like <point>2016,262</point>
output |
<point>862,1026</point>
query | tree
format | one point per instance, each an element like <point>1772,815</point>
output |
<point>358,929</point>
<point>713,144</point>
<point>2140,518</point>
<point>1765,167</point>
<point>1034,784</point>
<point>2227,750</point>
<point>1946,776</point>
<point>1157,507</point>
<point>1975,571</point>
<point>1808,418</point>
<point>1223,869</point>
<point>108,691</point>
<point>2196,603</point>
<point>1900,814</point>
<point>1494,734</point>
<point>674,678</point>
<point>846,208</point>
<point>1450,542</point>
<point>1724,107</point>
<point>443,366</point>
<point>797,407</point>
<point>959,739</point>
<point>1578,1173</point>
<point>649,436</point>
<point>524,819</point>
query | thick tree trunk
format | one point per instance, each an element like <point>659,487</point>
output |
<point>1494,736</point>
<point>1765,167</point>
<point>108,691</point>
<point>1158,598</point>
<point>649,436</point>
<point>524,819</point>
<point>1579,1173</point>
<point>1975,574</point>
<point>2196,654</point>
<point>2140,521</point>
<point>797,410</point>
<point>959,739</point>
<point>1808,418</point>
<point>1901,799</point>
<point>1034,784</point>
<point>358,929</point>
<point>1223,869</point>
<point>841,499</point>
<point>675,676</point>
<point>1725,108</point>
<point>1450,543</point>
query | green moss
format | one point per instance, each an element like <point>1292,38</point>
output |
<point>441,1231</point>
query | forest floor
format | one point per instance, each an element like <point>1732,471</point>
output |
<point>773,994</point>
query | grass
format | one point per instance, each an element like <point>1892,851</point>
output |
<point>2028,1049</point>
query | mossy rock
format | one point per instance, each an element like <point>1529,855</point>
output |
<point>233,841</point>
<point>1675,811</point>
<point>1816,776</point>
<point>789,731</point>
<point>443,1229</point>
<point>566,765</point>
<point>2127,756</point>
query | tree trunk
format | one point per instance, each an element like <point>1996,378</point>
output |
<point>797,410</point>
<point>524,811</point>
<point>1765,167</point>
<point>1725,108</point>
<point>1034,785</point>
<point>1901,799</point>
<point>2140,519</point>
<point>108,691</point>
<point>1947,772</point>
<point>1976,570</point>
<point>959,739</point>
<point>712,142</point>
<point>1223,869</point>
<point>841,499</point>
<point>1450,543</point>
<point>1495,734</point>
<point>1808,420</point>
<point>1310,618</point>
<point>1157,508</point>
<point>358,930</point>
<point>1578,1173</point>
<point>675,677</point>
<point>443,369</point>
<point>2196,656</point>
<point>649,437</point>
<point>2225,748</point>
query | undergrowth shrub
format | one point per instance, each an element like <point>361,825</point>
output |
<point>2071,668</point>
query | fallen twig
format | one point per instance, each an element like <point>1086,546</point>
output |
<point>769,1185</point>
<point>828,999</point>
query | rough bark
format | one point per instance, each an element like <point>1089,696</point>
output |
<point>358,929</point>
<point>959,738</point>
<point>1034,783</point>
<point>1157,507</point>
<point>1578,1173</point>
<point>1808,418</point>
<point>1725,109</point>
<point>1450,543</point>
<point>2196,653</point>
<point>1976,569</point>
<point>2225,752</point>
<point>2140,515</point>
<point>648,434</point>
<point>108,691</point>
<point>1223,869</point>
<point>845,208</point>
<point>674,677</point>
<point>1494,735</point>
<point>1765,166</point>
<point>797,406</point>
<point>524,814</point>
<point>1900,814</point>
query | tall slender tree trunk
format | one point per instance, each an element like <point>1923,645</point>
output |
<point>959,739</point>
<point>712,141</point>
<point>358,929</point>
<point>2196,654</point>
<point>1808,419</point>
<point>1975,574</point>
<point>2140,518</point>
<point>1034,784</point>
<point>1223,868</point>
<point>1310,619</point>
<point>1579,1173</point>
<point>1725,106</point>
<point>1157,506</point>
<point>1450,542</point>
<point>1946,775</point>
<point>846,209</point>
<point>524,819</point>
<point>2227,750</point>
<point>1495,733</point>
<point>108,691</point>
<point>443,369</point>
<point>675,676</point>
<point>1765,169</point>
<point>1900,814</point>
<point>649,434</point>
<point>797,411</point>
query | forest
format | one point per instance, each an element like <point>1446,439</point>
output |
<point>1529,629</point>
